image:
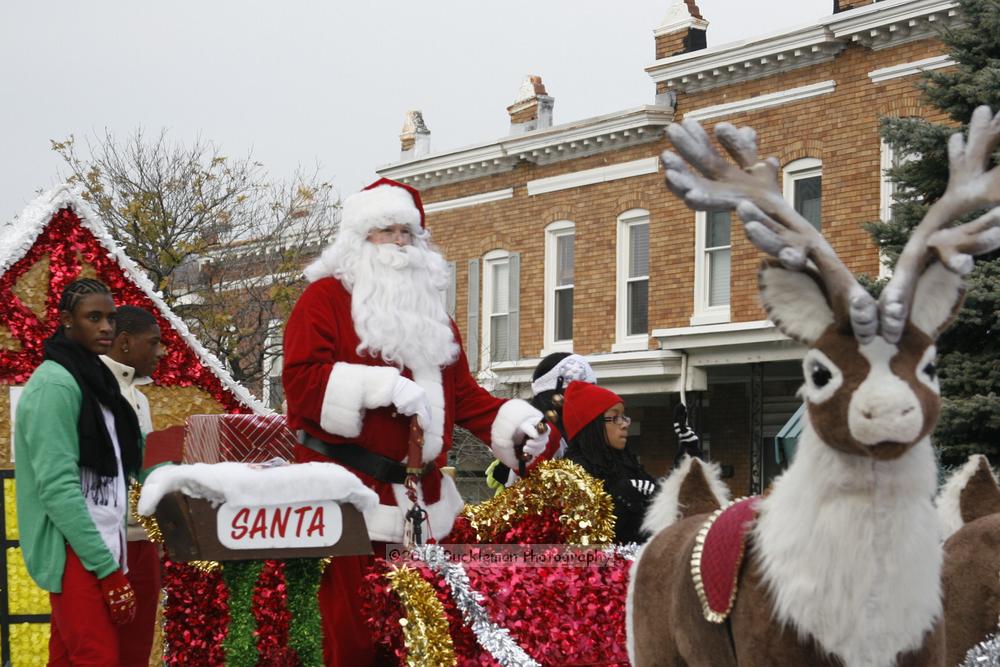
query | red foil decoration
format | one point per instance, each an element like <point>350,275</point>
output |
<point>67,242</point>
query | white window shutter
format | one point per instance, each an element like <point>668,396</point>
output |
<point>449,299</point>
<point>514,306</point>
<point>472,337</point>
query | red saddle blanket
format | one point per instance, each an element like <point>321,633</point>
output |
<point>718,554</point>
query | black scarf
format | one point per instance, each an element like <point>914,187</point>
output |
<point>99,387</point>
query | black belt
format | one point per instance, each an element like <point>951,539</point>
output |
<point>355,456</point>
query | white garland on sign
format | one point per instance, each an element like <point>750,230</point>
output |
<point>19,235</point>
<point>495,640</point>
<point>984,654</point>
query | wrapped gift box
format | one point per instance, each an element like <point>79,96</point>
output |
<point>240,438</point>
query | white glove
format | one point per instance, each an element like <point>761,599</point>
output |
<point>410,399</point>
<point>536,442</point>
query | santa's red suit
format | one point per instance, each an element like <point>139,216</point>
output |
<point>341,395</point>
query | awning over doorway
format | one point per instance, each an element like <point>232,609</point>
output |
<point>787,439</point>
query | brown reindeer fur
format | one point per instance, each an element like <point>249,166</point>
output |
<point>971,571</point>
<point>672,632</point>
<point>981,495</point>
<point>971,585</point>
<point>695,496</point>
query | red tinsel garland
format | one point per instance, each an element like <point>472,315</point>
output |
<point>67,243</point>
<point>196,615</point>
<point>273,618</point>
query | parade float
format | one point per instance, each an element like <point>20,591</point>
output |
<point>57,239</point>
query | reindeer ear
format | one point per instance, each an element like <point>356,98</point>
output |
<point>794,301</point>
<point>936,300</point>
<point>981,495</point>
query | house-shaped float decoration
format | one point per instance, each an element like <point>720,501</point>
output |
<point>57,239</point>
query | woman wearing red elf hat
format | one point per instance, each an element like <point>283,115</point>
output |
<point>597,428</point>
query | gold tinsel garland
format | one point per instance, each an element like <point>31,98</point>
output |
<point>585,509</point>
<point>425,628</point>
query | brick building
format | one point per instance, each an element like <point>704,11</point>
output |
<point>563,236</point>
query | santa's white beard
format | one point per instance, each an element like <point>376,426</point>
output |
<point>397,307</point>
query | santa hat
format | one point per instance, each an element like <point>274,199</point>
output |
<point>383,203</point>
<point>585,402</point>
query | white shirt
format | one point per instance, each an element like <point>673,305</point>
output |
<point>129,385</point>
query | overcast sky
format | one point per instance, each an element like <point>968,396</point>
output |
<point>308,82</point>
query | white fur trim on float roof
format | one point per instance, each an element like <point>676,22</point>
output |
<point>19,235</point>
<point>246,484</point>
<point>509,418</point>
<point>949,498</point>
<point>830,539</point>
<point>665,510</point>
<point>385,522</point>
<point>379,207</point>
<point>350,389</point>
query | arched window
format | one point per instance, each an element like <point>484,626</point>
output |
<point>803,187</point>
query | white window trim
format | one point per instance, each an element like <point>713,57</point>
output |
<point>624,342</point>
<point>703,313</point>
<point>272,365</point>
<point>886,190</point>
<point>552,234</point>
<point>485,342</point>
<point>797,170</point>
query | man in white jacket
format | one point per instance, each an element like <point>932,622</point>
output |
<point>135,353</point>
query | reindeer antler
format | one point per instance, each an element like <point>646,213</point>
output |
<point>770,222</point>
<point>970,187</point>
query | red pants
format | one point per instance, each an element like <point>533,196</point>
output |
<point>82,631</point>
<point>135,639</point>
<point>347,639</point>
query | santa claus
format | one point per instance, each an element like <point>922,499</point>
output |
<point>368,345</point>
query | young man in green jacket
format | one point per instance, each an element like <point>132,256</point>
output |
<point>76,441</point>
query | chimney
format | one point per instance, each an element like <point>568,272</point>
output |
<point>845,5</point>
<point>415,138</point>
<point>682,30</point>
<point>532,110</point>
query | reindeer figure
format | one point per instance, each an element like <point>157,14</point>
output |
<point>969,507</point>
<point>843,558</point>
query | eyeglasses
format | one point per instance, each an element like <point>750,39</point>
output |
<point>621,420</point>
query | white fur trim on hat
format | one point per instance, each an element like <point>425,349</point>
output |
<point>572,368</point>
<point>509,418</point>
<point>379,207</point>
<point>350,389</point>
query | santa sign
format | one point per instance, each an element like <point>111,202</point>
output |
<point>287,526</point>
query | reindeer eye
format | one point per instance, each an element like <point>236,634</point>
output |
<point>819,374</point>
<point>930,370</point>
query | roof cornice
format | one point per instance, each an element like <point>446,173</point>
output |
<point>878,25</point>
<point>545,146</point>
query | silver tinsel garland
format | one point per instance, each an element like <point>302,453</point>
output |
<point>984,654</point>
<point>495,640</point>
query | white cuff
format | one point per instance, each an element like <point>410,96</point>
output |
<point>505,428</point>
<point>350,389</point>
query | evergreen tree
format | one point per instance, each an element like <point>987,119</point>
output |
<point>969,352</point>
